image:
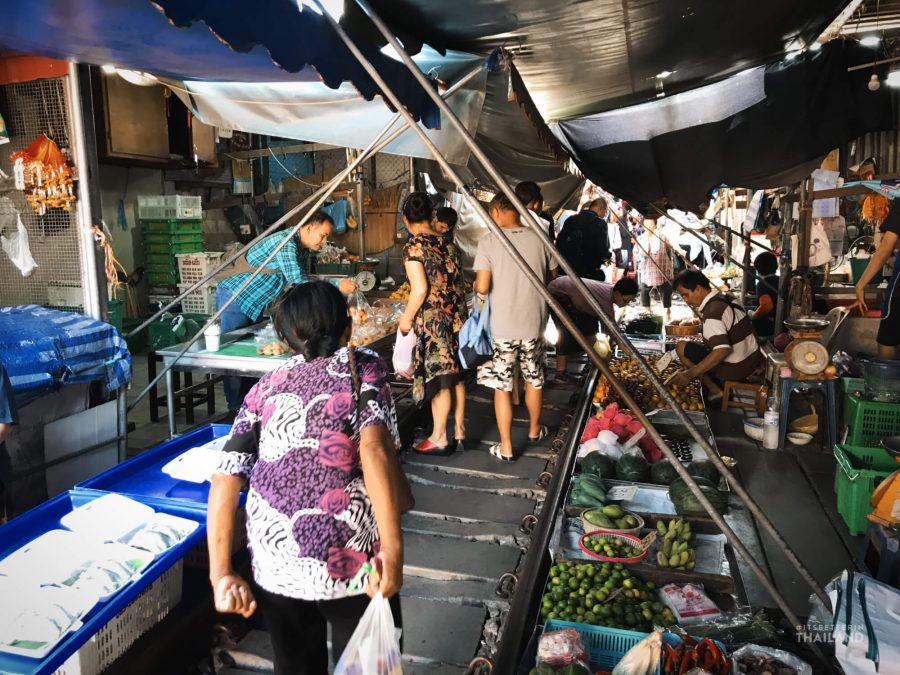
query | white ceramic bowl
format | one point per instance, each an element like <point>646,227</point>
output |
<point>797,438</point>
<point>753,427</point>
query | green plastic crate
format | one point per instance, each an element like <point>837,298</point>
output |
<point>137,344</point>
<point>172,226</point>
<point>859,472</point>
<point>160,261</point>
<point>171,239</point>
<point>161,274</point>
<point>189,244</point>
<point>868,422</point>
<point>114,309</point>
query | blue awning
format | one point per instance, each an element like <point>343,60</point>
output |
<point>272,41</point>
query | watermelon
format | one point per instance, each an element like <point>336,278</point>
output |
<point>703,468</point>
<point>633,468</point>
<point>598,464</point>
<point>686,504</point>
<point>663,473</point>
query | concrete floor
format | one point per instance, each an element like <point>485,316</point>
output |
<point>794,487</point>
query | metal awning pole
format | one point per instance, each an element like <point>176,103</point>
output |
<point>374,147</point>
<point>539,285</point>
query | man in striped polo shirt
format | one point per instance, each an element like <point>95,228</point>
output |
<point>731,351</point>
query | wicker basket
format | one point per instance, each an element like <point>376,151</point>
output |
<point>609,534</point>
<point>682,331</point>
<point>636,530</point>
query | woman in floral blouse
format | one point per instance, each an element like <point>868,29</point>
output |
<point>315,439</point>
<point>435,311</point>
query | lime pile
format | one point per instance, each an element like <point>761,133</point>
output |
<point>604,594</point>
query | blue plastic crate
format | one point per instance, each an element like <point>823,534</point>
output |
<point>141,478</point>
<point>45,517</point>
<point>607,646</point>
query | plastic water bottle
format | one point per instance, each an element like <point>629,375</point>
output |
<point>770,425</point>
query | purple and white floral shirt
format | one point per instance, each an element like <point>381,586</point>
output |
<point>310,524</point>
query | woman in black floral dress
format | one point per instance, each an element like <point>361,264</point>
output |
<point>435,311</point>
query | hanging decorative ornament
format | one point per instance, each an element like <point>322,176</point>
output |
<point>41,170</point>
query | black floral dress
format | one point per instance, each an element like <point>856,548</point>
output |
<point>439,320</point>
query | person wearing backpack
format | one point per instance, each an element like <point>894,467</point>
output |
<point>518,316</point>
<point>584,241</point>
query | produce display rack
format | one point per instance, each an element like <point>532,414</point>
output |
<point>525,624</point>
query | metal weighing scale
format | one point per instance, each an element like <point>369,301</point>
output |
<point>806,355</point>
<point>361,271</point>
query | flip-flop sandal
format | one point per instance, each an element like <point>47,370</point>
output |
<point>426,447</point>
<point>495,451</point>
<point>542,434</point>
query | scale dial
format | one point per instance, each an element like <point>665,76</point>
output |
<point>366,280</point>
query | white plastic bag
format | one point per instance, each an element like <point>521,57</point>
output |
<point>374,648</point>
<point>404,359</point>
<point>16,247</point>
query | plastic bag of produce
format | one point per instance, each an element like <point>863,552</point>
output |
<point>643,658</point>
<point>754,659</point>
<point>403,359</point>
<point>374,648</point>
<point>561,647</point>
<point>689,604</point>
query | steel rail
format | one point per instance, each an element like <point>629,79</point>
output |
<point>539,285</point>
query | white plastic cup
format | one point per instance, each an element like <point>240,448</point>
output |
<point>213,336</point>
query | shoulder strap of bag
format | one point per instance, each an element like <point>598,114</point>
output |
<point>241,266</point>
<point>485,314</point>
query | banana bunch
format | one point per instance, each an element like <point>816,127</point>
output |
<point>676,550</point>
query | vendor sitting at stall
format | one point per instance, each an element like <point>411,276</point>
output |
<point>731,351</point>
<point>766,266</point>
<point>608,296</point>
<point>289,267</point>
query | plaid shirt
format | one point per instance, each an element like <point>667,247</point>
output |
<point>291,260</point>
<point>651,275</point>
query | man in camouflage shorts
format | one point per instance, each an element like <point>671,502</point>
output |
<point>518,319</point>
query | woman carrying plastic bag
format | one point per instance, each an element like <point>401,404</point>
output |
<point>316,441</point>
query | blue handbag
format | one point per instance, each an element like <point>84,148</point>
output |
<point>475,343</point>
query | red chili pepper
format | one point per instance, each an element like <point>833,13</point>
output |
<point>670,659</point>
<point>688,661</point>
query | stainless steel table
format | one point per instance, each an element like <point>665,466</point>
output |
<point>200,360</point>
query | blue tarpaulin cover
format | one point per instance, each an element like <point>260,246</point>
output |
<point>45,349</point>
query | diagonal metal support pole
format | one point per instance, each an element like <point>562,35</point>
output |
<point>611,326</point>
<point>318,198</point>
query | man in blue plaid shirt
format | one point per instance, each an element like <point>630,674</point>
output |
<point>289,267</point>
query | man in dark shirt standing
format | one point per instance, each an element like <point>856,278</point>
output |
<point>584,241</point>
